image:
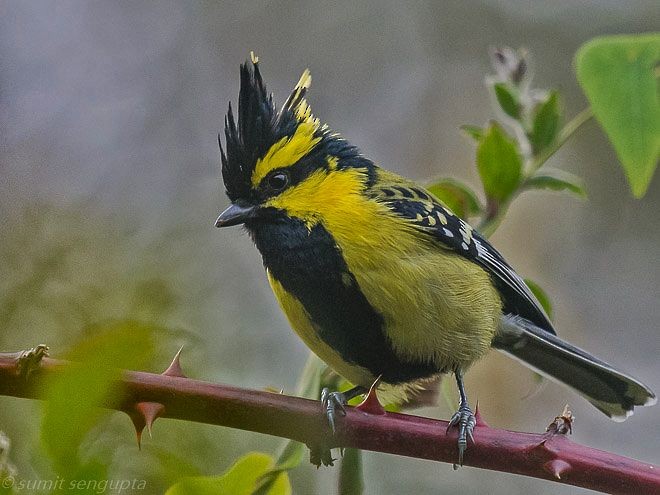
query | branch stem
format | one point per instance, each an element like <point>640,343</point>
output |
<point>567,131</point>
<point>546,456</point>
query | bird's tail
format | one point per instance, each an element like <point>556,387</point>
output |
<point>609,390</point>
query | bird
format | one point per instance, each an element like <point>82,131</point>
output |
<point>379,278</point>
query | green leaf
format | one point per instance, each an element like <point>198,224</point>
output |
<point>243,478</point>
<point>458,197</point>
<point>291,455</point>
<point>393,408</point>
<point>170,467</point>
<point>507,100</point>
<point>473,131</point>
<point>87,480</point>
<point>619,76</point>
<point>499,163</point>
<point>541,296</point>
<point>557,180</point>
<point>74,396</point>
<point>546,123</point>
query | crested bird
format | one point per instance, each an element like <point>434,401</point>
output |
<point>377,276</point>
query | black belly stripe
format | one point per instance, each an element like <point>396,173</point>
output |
<point>310,266</point>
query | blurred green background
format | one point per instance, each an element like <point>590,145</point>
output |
<point>109,187</point>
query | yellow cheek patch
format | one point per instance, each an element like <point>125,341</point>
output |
<point>320,195</point>
<point>286,151</point>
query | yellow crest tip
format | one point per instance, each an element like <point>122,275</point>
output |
<point>305,80</point>
<point>254,58</point>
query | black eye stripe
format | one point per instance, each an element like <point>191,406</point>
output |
<point>296,173</point>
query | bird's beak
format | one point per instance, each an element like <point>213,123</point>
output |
<point>236,214</point>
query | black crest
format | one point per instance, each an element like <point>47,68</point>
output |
<point>259,126</point>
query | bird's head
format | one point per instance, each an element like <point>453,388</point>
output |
<point>284,163</point>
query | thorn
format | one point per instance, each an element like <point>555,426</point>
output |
<point>174,369</point>
<point>371,404</point>
<point>550,447</point>
<point>478,417</point>
<point>144,414</point>
<point>542,448</point>
<point>139,424</point>
<point>556,467</point>
<point>150,411</point>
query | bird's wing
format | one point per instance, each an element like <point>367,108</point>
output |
<point>427,213</point>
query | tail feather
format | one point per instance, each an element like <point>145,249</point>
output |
<point>608,389</point>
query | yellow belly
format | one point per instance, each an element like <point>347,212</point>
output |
<point>437,305</point>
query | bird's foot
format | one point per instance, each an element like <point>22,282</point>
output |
<point>333,403</point>
<point>320,455</point>
<point>465,420</point>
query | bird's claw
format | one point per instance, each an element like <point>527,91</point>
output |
<point>321,456</point>
<point>465,420</point>
<point>333,403</point>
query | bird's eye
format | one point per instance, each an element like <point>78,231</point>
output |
<point>278,181</point>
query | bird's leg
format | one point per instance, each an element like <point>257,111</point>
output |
<point>464,419</point>
<point>334,402</point>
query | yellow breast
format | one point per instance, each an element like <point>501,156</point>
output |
<point>437,305</point>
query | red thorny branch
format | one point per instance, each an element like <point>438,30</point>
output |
<point>549,456</point>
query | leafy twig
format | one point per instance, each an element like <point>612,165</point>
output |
<point>567,131</point>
